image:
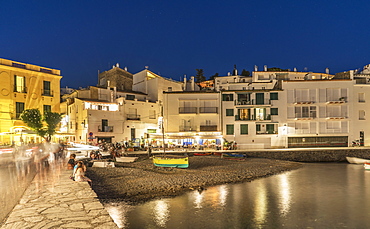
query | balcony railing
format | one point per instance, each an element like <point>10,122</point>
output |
<point>46,92</point>
<point>213,110</point>
<point>20,89</point>
<point>208,127</point>
<point>133,117</point>
<point>238,118</point>
<point>267,132</point>
<point>105,128</point>
<point>188,110</point>
<point>187,128</point>
<point>253,102</point>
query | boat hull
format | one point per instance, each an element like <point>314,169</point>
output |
<point>356,160</point>
<point>367,166</point>
<point>233,156</point>
<point>171,161</point>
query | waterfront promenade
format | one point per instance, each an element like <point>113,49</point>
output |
<point>53,200</point>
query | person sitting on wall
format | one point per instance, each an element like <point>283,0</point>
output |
<point>71,162</point>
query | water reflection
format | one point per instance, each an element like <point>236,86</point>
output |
<point>161,212</point>
<point>260,204</point>
<point>316,196</point>
<point>285,194</point>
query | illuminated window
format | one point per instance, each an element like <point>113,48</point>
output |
<point>20,84</point>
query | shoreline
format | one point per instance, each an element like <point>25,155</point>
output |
<point>141,181</point>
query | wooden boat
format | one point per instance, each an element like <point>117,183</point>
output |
<point>235,156</point>
<point>203,154</point>
<point>126,159</point>
<point>171,161</point>
<point>356,160</point>
<point>367,166</point>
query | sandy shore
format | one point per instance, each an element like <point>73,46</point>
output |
<point>141,181</point>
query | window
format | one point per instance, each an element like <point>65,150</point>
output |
<point>229,129</point>
<point>20,84</point>
<point>270,128</point>
<point>229,112</point>
<point>361,115</point>
<point>227,97</point>
<point>47,108</point>
<point>130,97</point>
<point>274,96</point>
<point>274,111</point>
<point>47,90</point>
<point>19,108</point>
<point>258,127</point>
<point>361,97</point>
<point>152,114</point>
<point>243,129</point>
<point>305,112</point>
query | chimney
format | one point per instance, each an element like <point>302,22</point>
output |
<point>184,82</point>
<point>235,72</point>
<point>192,83</point>
<point>295,69</point>
<point>265,68</point>
<point>255,68</point>
<point>327,70</point>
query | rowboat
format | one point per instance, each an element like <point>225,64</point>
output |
<point>235,156</point>
<point>171,161</point>
<point>367,166</point>
<point>356,160</point>
<point>203,154</point>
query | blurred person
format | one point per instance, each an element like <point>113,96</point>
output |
<point>79,174</point>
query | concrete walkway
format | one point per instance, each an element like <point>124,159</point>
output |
<point>53,200</point>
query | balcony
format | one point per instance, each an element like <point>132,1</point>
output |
<point>188,110</point>
<point>267,132</point>
<point>133,117</point>
<point>20,89</point>
<point>187,128</point>
<point>46,92</point>
<point>105,128</point>
<point>337,101</point>
<point>208,127</point>
<point>253,102</point>
<point>209,110</point>
<point>266,117</point>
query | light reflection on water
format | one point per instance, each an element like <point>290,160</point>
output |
<point>317,196</point>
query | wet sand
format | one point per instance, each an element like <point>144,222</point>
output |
<point>142,181</point>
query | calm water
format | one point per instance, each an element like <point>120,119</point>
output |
<point>315,196</point>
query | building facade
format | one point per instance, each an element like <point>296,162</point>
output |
<point>25,86</point>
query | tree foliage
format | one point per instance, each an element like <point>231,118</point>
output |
<point>44,125</point>
<point>274,69</point>
<point>199,76</point>
<point>213,77</point>
<point>245,73</point>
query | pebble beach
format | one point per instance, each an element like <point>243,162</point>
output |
<point>142,181</point>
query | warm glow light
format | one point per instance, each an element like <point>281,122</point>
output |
<point>285,194</point>
<point>161,212</point>
<point>260,211</point>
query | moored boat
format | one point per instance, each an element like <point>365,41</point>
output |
<point>235,156</point>
<point>367,166</point>
<point>171,161</point>
<point>356,160</point>
<point>203,154</point>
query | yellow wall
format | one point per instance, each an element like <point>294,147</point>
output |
<point>33,96</point>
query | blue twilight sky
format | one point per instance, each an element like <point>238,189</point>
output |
<point>174,38</point>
